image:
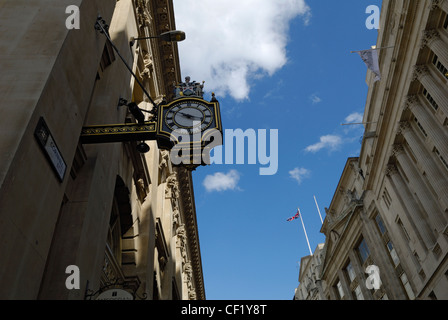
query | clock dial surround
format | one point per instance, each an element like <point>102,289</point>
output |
<point>190,115</point>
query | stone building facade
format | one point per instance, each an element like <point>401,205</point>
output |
<point>390,209</point>
<point>310,287</point>
<point>125,219</point>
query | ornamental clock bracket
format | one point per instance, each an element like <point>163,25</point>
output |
<point>188,125</point>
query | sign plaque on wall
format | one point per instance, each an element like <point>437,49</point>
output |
<point>50,149</point>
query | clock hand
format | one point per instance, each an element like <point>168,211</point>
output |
<point>189,116</point>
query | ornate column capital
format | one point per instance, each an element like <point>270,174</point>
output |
<point>429,36</point>
<point>434,4</point>
<point>411,102</point>
<point>390,170</point>
<point>397,150</point>
<point>419,72</point>
<point>404,127</point>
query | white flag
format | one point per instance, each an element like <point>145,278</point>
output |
<point>370,58</point>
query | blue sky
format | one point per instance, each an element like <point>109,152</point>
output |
<point>274,64</point>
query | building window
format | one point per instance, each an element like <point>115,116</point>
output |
<point>107,57</point>
<point>445,24</point>
<point>431,101</point>
<point>363,251</point>
<point>356,289</point>
<point>389,244</point>
<point>405,232</point>
<point>338,290</point>
<point>419,125</point>
<point>350,272</point>
<point>357,294</point>
<point>387,199</point>
<point>440,66</point>
<point>393,253</point>
<point>380,224</point>
<point>407,286</point>
<point>445,163</point>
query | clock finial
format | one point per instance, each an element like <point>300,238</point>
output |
<point>189,89</point>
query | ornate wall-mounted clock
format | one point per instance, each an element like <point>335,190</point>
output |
<point>188,117</point>
<point>187,122</point>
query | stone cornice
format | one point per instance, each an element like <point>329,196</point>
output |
<point>163,15</point>
<point>187,203</point>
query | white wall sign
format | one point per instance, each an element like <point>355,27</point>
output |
<point>51,150</point>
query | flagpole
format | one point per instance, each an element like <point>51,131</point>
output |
<point>318,210</point>
<point>306,236</point>
<point>373,49</point>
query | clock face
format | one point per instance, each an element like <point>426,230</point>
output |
<point>190,115</point>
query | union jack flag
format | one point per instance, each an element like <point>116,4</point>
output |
<point>295,217</point>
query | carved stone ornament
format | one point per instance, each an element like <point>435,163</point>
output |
<point>148,67</point>
<point>176,217</point>
<point>429,36</point>
<point>391,169</point>
<point>435,4</point>
<point>350,197</point>
<point>397,150</point>
<point>172,187</point>
<point>143,17</point>
<point>192,295</point>
<point>404,126</point>
<point>411,102</point>
<point>419,72</point>
<point>141,189</point>
<point>164,159</point>
<point>181,236</point>
<point>188,270</point>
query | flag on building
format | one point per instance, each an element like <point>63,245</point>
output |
<point>370,58</point>
<point>296,216</point>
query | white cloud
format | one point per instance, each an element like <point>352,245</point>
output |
<point>331,142</point>
<point>299,174</point>
<point>354,117</point>
<point>231,42</point>
<point>221,181</point>
<point>315,99</point>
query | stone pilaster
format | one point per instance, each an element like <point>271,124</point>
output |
<point>433,128</point>
<point>422,74</point>
<point>414,216</point>
<point>425,158</point>
<point>418,185</point>
<point>431,39</point>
